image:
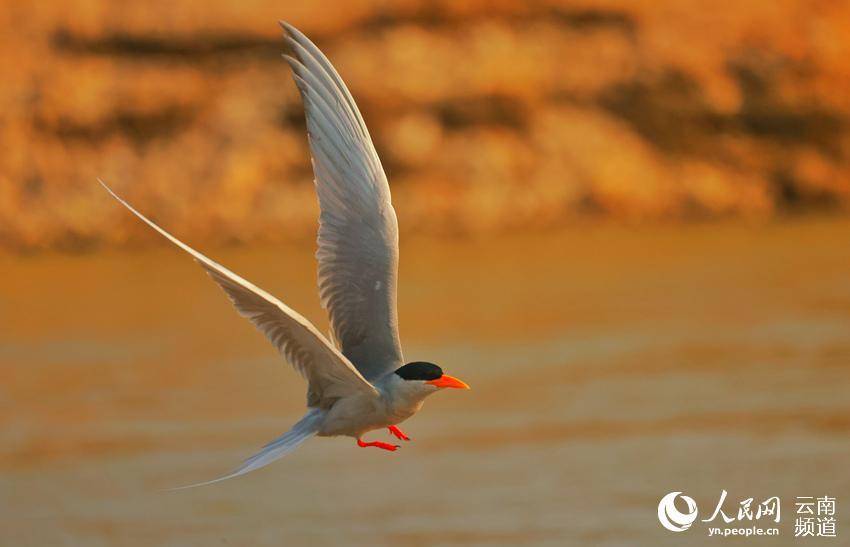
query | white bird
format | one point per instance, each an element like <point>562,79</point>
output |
<point>358,383</point>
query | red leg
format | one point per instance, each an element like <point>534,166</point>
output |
<point>399,434</point>
<point>378,444</point>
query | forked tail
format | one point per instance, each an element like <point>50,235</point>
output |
<point>305,428</point>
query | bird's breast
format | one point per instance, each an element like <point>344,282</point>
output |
<point>401,409</point>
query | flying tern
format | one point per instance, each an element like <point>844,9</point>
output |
<point>357,381</point>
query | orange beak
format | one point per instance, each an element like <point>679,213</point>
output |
<point>448,381</point>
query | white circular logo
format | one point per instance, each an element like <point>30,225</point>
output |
<point>673,519</point>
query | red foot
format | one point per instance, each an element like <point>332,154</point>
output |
<point>379,444</point>
<point>399,434</point>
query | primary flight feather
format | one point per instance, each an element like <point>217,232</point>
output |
<point>357,382</point>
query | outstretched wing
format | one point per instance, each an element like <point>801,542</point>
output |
<point>358,230</point>
<point>329,374</point>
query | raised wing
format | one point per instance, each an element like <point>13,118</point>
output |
<point>358,230</point>
<point>329,374</point>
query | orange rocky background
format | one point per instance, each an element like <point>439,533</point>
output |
<point>488,116</point>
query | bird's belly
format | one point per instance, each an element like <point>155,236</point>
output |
<point>399,414</point>
<point>354,417</point>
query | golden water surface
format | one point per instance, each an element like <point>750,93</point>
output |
<point>610,365</point>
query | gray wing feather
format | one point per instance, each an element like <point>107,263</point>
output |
<point>329,374</point>
<point>358,229</point>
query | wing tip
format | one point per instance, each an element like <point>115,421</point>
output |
<point>294,63</point>
<point>288,28</point>
<point>105,186</point>
<point>116,196</point>
<point>295,36</point>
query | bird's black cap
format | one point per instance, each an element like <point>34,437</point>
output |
<point>420,370</point>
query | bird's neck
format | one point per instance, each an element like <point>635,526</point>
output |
<point>405,407</point>
<point>402,401</point>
